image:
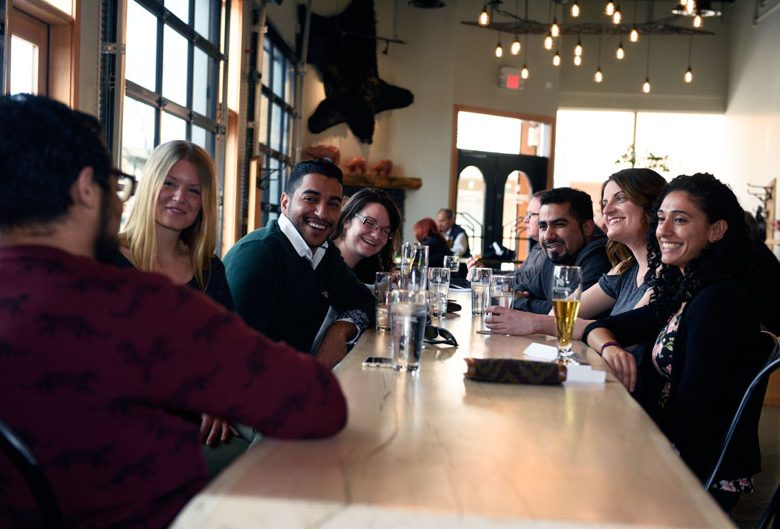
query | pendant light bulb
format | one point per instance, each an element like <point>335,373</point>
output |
<point>688,77</point>
<point>578,48</point>
<point>524,72</point>
<point>620,53</point>
<point>575,9</point>
<point>609,9</point>
<point>484,17</point>
<point>557,59</point>
<point>697,22</point>
<point>646,86</point>
<point>577,60</point>
<point>516,46</point>
<point>548,41</point>
<point>555,31</point>
<point>634,35</point>
<point>617,16</point>
<point>499,50</point>
<point>599,75</point>
<point>690,6</point>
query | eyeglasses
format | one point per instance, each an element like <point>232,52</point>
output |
<point>529,216</point>
<point>432,334</point>
<point>371,223</point>
<point>125,185</point>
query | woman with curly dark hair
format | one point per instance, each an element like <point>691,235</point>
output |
<point>364,233</point>
<point>702,329</point>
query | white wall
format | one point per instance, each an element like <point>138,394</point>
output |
<point>753,112</point>
<point>445,63</point>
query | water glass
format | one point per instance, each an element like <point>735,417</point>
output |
<point>566,293</point>
<point>382,285</point>
<point>452,262</point>
<point>502,292</point>
<point>408,310</point>
<point>438,288</point>
<point>480,290</point>
<point>414,266</point>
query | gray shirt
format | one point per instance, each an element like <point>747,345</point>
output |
<point>622,288</point>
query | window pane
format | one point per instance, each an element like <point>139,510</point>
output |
<point>141,51</point>
<point>266,73</point>
<point>172,128</point>
<point>279,74</point>
<point>274,189</point>
<point>275,142</point>
<point>180,8</point>
<point>203,84</point>
<point>199,136</point>
<point>24,66</point>
<point>262,130</point>
<point>289,88</point>
<point>284,147</point>
<point>137,136</point>
<point>203,19</point>
<point>174,66</point>
<point>485,132</point>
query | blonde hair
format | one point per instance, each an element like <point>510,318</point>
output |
<point>200,239</point>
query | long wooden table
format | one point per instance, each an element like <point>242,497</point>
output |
<point>436,451</point>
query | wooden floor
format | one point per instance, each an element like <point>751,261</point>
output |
<point>750,506</point>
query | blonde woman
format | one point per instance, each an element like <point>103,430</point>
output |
<point>172,230</point>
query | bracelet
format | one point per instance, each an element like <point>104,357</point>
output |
<point>608,344</point>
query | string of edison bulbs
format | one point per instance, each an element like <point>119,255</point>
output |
<point>613,11</point>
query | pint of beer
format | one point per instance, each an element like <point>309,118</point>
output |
<point>566,292</point>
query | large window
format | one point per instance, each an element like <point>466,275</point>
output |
<point>172,62</point>
<point>274,140</point>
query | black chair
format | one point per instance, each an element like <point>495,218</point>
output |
<point>759,381</point>
<point>24,460</point>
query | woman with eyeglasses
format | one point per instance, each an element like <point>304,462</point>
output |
<point>365,233</point>
<point>627,199</point>
<point>172,229</point>
<point>427,232</point>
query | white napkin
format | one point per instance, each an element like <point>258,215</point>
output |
<point>579,373</point>
<point>538,351</point>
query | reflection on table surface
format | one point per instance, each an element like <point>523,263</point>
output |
<point>435,450</point>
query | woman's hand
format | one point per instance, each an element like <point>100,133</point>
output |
<point>622,363</point>
<point>510,321</point>
<point>213,430</point>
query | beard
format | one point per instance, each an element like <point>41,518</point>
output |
<point>106,244</point>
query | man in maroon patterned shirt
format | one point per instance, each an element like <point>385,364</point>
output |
<point>104,372</point>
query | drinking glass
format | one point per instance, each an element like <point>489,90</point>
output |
<point>566,292</point>
<point>407,328</point>
<point>414,266</point>
<point>452,262</point>
<point>382,285</point>
<point>502,292</point>
<point>438,288</point>
<point>480,290</point>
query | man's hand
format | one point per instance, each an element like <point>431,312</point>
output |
<point>213,430</point>
<point>334,344</point>
<point>510,321</point>
<point>622,363</point>
<point>474,262</point>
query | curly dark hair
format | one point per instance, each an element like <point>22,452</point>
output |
<point>729,257</point>
<point>382,261</point>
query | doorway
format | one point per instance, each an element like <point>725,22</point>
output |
<point>493,190</point>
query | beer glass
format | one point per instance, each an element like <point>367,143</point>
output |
<point>566,292</point>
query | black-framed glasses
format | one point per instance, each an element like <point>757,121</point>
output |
<point>125,185</point>
<point>371,223</point>
<point>432,334</point>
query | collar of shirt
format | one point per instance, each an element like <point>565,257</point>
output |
<point>299,244</point>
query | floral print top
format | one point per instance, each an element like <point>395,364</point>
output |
<point>662,355</point>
